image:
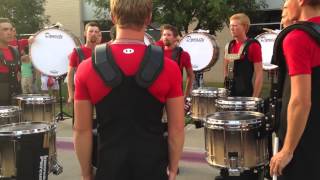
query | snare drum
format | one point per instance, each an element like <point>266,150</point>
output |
<point>36,107</point>
<point>266,41</point>
<point>203,101</point>
<point>25,150</point>
<point>236,140</point>
<point>10,114</point>
<point>202,48</point>
<point>240,104</point>
<point>50,50</point>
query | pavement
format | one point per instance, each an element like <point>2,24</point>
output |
<point>192,165</point>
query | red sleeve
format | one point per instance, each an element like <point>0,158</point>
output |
<point>81,89</point>
<point>74,59</point>
<point>255,54</point>
<point>23,43</point>
<point>298,55</point>
<point>175,80</point>
<point>186,60</point>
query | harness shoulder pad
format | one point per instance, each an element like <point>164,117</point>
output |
<point>150,67</point>
<point>245,46</point>
<point>105,66</point>
<point>80,54</point>
<point>311,28</point>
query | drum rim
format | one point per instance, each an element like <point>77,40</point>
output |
<point>237,100</point>
<point>35,98</point>
<point>206,92</point>
<point>150,38</point>
<point>74,37</point>
<point>218,122</point>
<point>215,53</point>
<point>11,111</point>
<point>47,128</point>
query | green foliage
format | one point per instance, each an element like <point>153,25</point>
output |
<point>206,14</point>
<point>26,15</point>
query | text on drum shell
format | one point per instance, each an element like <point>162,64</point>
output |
<point>53,36</point>
<point>190,39</point>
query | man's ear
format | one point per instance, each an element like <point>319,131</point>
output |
<point>301,2</point>
<point>148,20</point>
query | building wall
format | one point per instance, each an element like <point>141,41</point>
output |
<point>68,13</point>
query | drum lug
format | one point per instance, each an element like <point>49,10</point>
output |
<point>56,168</point>
<point>233,164</point>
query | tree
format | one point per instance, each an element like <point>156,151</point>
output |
<point>206,14</point>
<point>26,15</point>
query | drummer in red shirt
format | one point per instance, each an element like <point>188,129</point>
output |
<point>92,34</point>
<point>9,64</point>
<point>129,107</point>
<point>21,44</point>
<point>169,42</point>
<point>299,129</point>
<point>247,71</point>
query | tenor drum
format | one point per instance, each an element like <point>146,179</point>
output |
<point>236,140</point>
<point>10,114</point>
<point>36,107</point>
<point>203,101</point>
<point>240,104</point>
<point>50,50</point>
<point>202,48</point>
<point>148,40</point>
<point>266,41</point>
<point>25,150</point>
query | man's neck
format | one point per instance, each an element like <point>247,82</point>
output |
<point>240,38</point>
<point>308,12</point>
<point>90,45</point>
<point>3,45</point>
<point>169,47</point>
<point>130,34</point>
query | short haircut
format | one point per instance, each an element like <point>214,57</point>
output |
<point>243,18</point>
<point>5,20</point>
<point>130,13</point>
<point>171,28</point>
<point>313,2</point>
<point>92,24</point>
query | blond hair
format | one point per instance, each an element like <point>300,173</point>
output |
<point>130,13</point>
<point>243,18</point>
<point>4,20</point>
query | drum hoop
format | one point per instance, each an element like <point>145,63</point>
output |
<point>150,38</point>
<point>11,111</point>
<point>48,128</point>
<point>35,99</point>
<point>233,101</point>
<point>215,53</point>
<point>211,118</point>
<point>217,92</point>
<point>75,38</point>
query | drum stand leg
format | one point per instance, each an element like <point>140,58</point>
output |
<point>61,114</point>
<point>198,82</point>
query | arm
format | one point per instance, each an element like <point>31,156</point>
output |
<point>225,68</point>
<point>175,113</point>
<point>258,81</point>
<point>70,83</point>
<point>298,112</point>
<point>82,135</point>
<point>190,79</point>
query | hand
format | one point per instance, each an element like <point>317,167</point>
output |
<point>89,177</point>
<point>172,175</point>
<point>279,161</point>
<point>31,40</point>
<point>70,99</point>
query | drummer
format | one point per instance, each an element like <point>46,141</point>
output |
<point>249,65</point>
<point>169,39</point>
<point>9,64</point>
<point>92,33</point>
<point>285,21</point>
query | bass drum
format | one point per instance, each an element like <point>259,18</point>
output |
<point>202,48</point>
<point>266,41</point>
<point>148,40</point>
<point>50,50</point>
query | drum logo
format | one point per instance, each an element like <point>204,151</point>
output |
<point>53,36</point>
<point>196,39</point>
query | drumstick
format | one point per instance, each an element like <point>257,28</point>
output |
<point>275,150</point>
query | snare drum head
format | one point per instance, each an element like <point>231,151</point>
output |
<point>148,40</point>
<point>202,48</point>
<point>210,92</point>
<point>9,111</point>
<point>35,98</point>
<point>234,118</point>
<point>245,101</point>
<point>25,128</point>
<point>267,42</point>
<point>50,50</point>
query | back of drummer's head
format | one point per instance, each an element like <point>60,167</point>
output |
<point>131,13</point>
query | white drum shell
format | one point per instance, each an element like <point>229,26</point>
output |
<point>266,41</point>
